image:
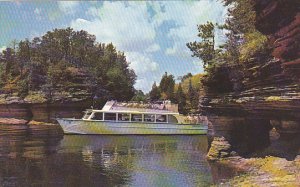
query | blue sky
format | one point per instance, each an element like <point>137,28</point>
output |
<point>153,34</point>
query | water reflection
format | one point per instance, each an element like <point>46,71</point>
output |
<point>145,160</point>
<point>27,160</point>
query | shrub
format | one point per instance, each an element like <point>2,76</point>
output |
<point>254,43</point>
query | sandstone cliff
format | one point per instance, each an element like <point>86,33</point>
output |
<point>270,96</point>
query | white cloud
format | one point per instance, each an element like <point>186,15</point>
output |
<point>141,63</point>
<point>143,84</point>
<point>68,7</point>
<point>132,29</point>
<point>186,17</point>
<point>2,48</point>
<point>144,67</point>
<point>128,27</point>
<point>198,63</point>
<point>153,48</point>
<point>37,11</point>
<point>125,25</point>
<point>171,50</point>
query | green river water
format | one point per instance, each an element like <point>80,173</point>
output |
<point>74,160</point>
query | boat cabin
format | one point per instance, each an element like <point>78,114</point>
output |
<point>128,116</point>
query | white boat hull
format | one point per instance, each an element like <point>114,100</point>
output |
<point>79,126</point>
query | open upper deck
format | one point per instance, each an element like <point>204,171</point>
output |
<point>161,107</point>
<point>138,112</point>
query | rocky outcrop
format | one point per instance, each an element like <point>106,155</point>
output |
<point>262,116</point>
<point>268,171</point>
<point>12,121</point>
<point>35,128</point>
<point>269,97</point>
<point>219,149</point>
<point>46,112</point>
<point>280,20</point>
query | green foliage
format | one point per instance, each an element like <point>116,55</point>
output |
<point>193,97</point>
<point>195,80</point>
<point>244,41</point>
<point>2,74</point>
<point>185,94</point>
<point>217,78</point>
<point>62,58</point>
<point>155,93</point>
<point>139,96</point>
<point>205,49</point>
<point>23,89</point>
<point>255,42</point>
<point>241,16</point>
<point>222,65</point>
<point>166,86</point>
<point>35,97</point>
<point>181,100</point>
<point>57,73</point>
<point>185,77</point>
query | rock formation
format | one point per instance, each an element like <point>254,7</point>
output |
<point>270,97</point>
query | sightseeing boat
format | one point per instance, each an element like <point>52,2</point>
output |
<point>123,118</point>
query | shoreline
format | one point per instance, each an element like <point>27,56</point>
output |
<point>254,171</point>
<point>274,171</point>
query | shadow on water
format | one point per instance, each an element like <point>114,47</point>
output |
<point>257,136</point>
<point>72,160</point>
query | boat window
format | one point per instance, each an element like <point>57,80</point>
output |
<point>149,118</point>
<point>161,118</point>
<point>87,115</point>
<point>136,117</point>
<point>123,117</point>
<point>172,119</point>
<point>110,116</point>
<point>97,116</point>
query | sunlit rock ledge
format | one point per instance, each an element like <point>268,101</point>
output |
<point>32,127</point>
<point>39,97</point>
<point>255,171</point>
<point>12,121</point>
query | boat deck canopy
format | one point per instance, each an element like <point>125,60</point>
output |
<point>134,112</point>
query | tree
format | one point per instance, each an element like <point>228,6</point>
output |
<point>240,45</point>
<point>23,55</point>
<point>193,97</point>
<point>181,100</point>
<point>139,96</point>
<point>243,40</point>
<point>64,60</point>
<point>205,49</point>
<point>154,93</point>
<point>166,86</point>
<point>187,76</point>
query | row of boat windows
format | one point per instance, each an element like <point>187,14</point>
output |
<point>126,117</point>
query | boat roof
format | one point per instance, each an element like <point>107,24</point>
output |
<point>135,112</point>
<point>140,108</point>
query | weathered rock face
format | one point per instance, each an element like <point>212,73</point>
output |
<point>48,112</point>
<point>270,97</point>
<point>280,20</point>
<point>19,111</point>
<point>44,112</point>
<point>220,148</point>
